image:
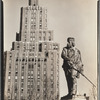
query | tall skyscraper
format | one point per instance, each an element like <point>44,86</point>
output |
<point>32,65</point>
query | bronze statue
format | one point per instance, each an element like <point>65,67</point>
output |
<point>72,66</point>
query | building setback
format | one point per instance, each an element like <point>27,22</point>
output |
<point>32,64</point>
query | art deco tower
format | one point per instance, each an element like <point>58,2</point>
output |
<point>32,64</point>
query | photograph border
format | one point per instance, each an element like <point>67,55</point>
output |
<point>1,49</point>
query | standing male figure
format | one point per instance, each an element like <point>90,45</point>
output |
<point>71,61</point>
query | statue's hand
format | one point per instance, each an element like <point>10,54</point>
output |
<point>78,75</point>
<point>70,63</point>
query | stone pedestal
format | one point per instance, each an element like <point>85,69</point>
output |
<point>75,98</point>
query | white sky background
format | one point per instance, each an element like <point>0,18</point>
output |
<point>77,18</point>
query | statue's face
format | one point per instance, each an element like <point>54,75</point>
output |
<point>71,43</point>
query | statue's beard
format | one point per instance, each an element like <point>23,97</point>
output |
<point>73,44</point>
<point>70,45</point>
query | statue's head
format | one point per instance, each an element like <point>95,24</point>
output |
<point>71,42</point>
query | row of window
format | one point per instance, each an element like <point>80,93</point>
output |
<point>40,37</point>
<point>31,60</point>
<point>34,26</point>
<point>30,76</point>
<point>33,12</point>
<point>33,8</point>
<point>30,90</point>
<point>33,21</point>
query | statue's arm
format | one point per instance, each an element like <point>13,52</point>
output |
<point>64,54</point>
<point>80,64</point>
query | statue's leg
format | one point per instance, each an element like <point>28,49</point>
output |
<point>74,82</point>
<point>74,87</point>
<point>69,81</point>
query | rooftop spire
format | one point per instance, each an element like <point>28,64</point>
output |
<point>33,2</point>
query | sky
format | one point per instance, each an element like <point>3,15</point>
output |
<point>76,18</point>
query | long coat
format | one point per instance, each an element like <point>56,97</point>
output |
<point>72,58</point>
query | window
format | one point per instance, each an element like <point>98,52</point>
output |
<point>52,72</point>
<point>54,47</point>
<point>40,25</point>
<point>22,67</point>
<point>29,59</point>
<point>31,39</point>
<point>34,40</point>
<point>31,72</point>
<point>31,77</point>
<point>34,34</point>
<point>40,20</point>
<point>22,77</point>
<point>38,89</point>
<point>40,47</point>
<point>15,89</point>
<point>49,36</point>
<point>9,77</point>
<point>16,77</point>
<point>52,61</point>
<point>38,94</point>
<point>46,54</point>
<point>38,83</point>
<point>23,59</point>
<point>38,72</point>
<point>25,20</point>
<point>8,89</point>
<point>22,80</point>
<point>17,46</point>
<point>28,77</point>
<point>25,31</point>
<point>22,89</point>
<point>44,96</point>
<point>9,61</point>
<point>32,59</point>
<point>52,55</point>
<point>22,84</point>
<point>16,67</point>
<point>31,26</point>
<point>50,46</point>
<point>38,77</point>
<point>45,66</point>
<point>22,73</point>
<point>10,67</point>
<point>32,66</point>
<point>28,89</point>
<point>32,20</point>
<point>44,38</point>
<point>16,72</point>
<point>16,59</point>
<point>10,56</point>
<point>15,94</point>
<point>9,72</point>
<point>45,60</point>
<point>44,72</point>
<point>40,11</point>
<point>9,94</point>
<point>38,65</point>
<point>52,84</point>
<point>45,46</point>
<point>9,98</point>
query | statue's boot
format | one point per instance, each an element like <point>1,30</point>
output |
<point>67,97</point>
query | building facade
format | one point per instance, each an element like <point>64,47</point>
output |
<point>32,64</point>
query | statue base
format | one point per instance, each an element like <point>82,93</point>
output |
<point>77,97</point>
